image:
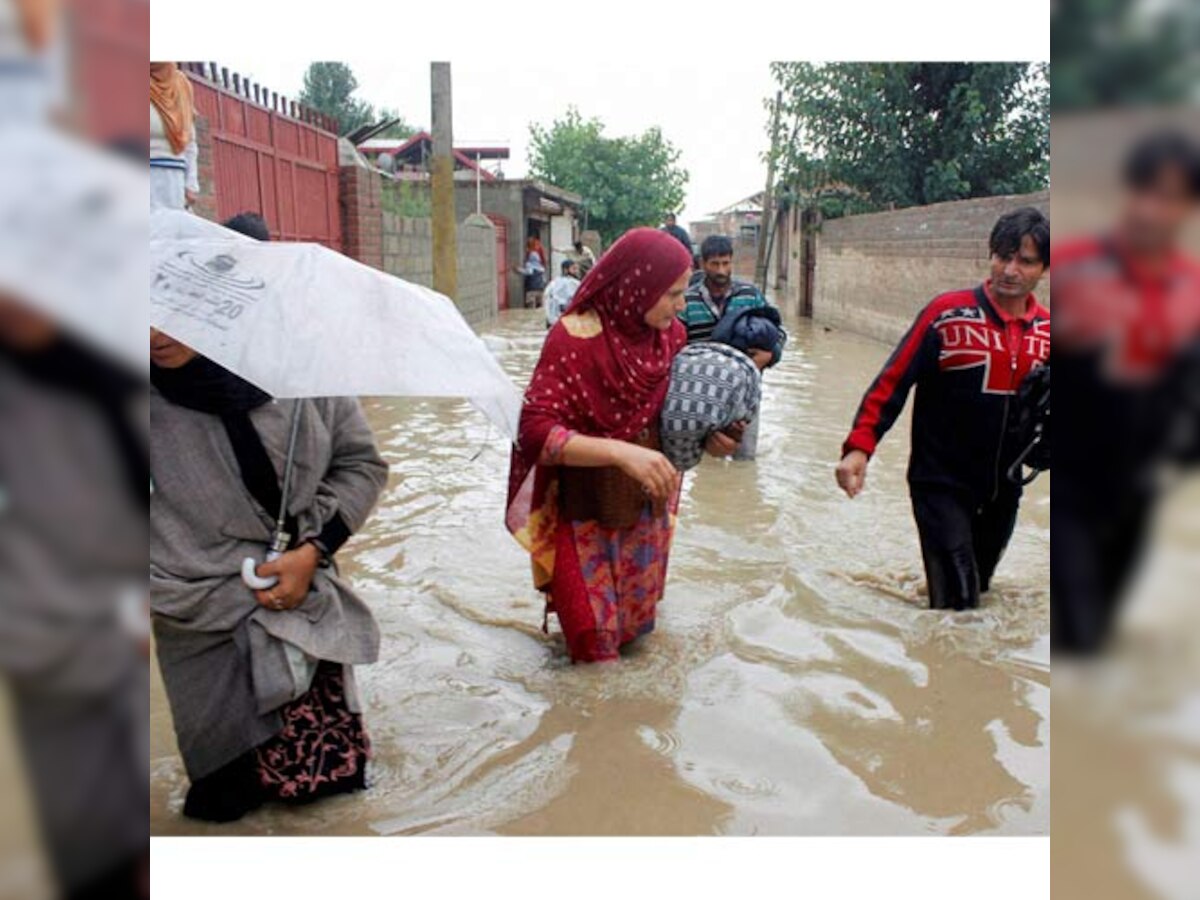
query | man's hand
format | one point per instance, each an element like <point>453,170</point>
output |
<point>720,445</point>
<point>295,570</point>
<point>852,472</point>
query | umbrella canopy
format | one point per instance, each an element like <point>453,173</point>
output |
<point>72,238</point>
<point>300,320</point>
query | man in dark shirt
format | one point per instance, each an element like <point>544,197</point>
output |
<point>714,295</point>
<point>680,234</point>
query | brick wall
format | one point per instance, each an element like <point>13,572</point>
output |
<point>360,199</point>
<point>206,202</point>
<point>408,253</point>
<point>875,272</point>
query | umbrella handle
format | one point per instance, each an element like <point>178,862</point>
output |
<point>253,579</point>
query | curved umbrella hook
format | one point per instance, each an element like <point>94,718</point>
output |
<point>279,538</point>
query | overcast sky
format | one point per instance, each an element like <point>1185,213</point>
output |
<point>721,133</point>
<point>700,71</point>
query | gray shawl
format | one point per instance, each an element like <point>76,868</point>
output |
<point>712,386</point>
<point>72,551</point>
<point>229,664</point>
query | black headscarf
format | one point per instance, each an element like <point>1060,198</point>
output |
<point>71,366</point>
<point>206,387</point>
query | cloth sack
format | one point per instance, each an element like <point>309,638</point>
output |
<point>712,386</point>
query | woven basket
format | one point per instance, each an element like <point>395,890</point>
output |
<point>605,495</point>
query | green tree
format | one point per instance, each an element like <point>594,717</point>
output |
<point>624,181</point>
<point>856,137</point>
<point>329,87</point>
<point>1109,52</point>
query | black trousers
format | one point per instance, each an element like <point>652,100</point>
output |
<point>961,542</point>
<point>1093,557</point>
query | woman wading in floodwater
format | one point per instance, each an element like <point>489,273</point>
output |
<point>260,682</point>
<point>590,496</point>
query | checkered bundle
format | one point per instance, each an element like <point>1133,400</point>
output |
<point>712,386</point>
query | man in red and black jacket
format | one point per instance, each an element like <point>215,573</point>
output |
<point>966,354</point>
<point>1127,322</point>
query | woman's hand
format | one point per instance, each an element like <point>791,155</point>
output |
<point>295,571</point>
<point>650,469</point>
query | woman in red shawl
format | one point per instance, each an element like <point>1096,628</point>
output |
<point>590,496</point>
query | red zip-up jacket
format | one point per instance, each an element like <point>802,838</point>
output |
<point>966,357</point>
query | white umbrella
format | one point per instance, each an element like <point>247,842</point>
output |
<point>73,238</point>
<point>300,320</point>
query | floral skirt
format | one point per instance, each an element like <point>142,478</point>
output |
<point>322,749</point>
<point>607,583</point>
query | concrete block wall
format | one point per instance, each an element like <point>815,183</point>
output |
<point>407,252</point>
<point>408,248</point>
<point>477,288</point>
<point>875,272</point>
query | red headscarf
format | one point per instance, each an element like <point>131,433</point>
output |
<point>603,371</point>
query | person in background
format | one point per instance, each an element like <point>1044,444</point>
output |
<point>34,62</point>
<point>1127,328</point>
<point>174,174</point>
<point>585,257</point>
<point>260,682</point>
<point>534,271</point>
<point>534,244</point>
<point>967,353</point>
<point>678,232</point>
<point>711,297</point>
<point>582,255</point>
<point>561,291</point>
<point>590,497</point>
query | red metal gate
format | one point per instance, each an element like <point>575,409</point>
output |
<point>109,44</point>
<point>501,225</point>
<point>270,156</point>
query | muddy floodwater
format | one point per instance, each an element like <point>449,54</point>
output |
<point>795,683</point>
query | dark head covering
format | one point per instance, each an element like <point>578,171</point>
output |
<point>204,386</point>
<point>753,328</point>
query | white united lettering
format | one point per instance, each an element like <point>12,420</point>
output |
<point>1037,347</point>
<point>956,336</point>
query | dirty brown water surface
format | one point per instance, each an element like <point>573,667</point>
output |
<point>795,683</point>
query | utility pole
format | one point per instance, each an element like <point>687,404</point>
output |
<point>445,237</point>
<point>765,232</point>
<point>478,184</point>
